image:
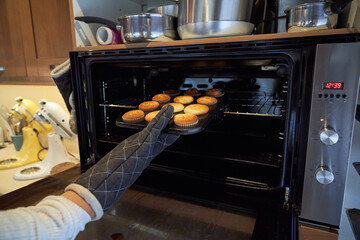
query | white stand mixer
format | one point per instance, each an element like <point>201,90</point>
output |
<point>53,114</point>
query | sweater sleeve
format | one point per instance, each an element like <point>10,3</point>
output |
<point>55,217</point>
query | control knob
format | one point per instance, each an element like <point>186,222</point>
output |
<point>328,136</point>
<point>324,175</point>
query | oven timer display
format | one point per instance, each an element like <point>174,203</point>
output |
<point>333,85</point>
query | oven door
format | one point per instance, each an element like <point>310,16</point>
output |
<point>254,181</point>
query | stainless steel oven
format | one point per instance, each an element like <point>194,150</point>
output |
<point>277,146</point>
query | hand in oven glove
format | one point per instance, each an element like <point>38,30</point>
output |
<point>109,178</point>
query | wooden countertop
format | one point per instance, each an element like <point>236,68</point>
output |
<point>35,192</point>
<point>244,38</point>
<point>7,182</point>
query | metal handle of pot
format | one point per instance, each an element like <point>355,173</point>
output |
<point>90,19</point>
<point>339,6</point>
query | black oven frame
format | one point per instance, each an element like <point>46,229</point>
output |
<point>300,54</point>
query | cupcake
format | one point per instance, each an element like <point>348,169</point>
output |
<point>161,98</point>
<point>149,106</point>
<point>214,92</point>
<point>184,99</point>
<point>172,92</point>
<point>192,92</point>
<point>133,116</point>
<point>207,100</point>
<point>186,120</point>
<point>197,109</point>
<point>151,115</point>
<point>178,107</point>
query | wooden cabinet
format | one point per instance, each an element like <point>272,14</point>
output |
<point>12,62</point>
<point>35,36</point>
<point>308,233</point>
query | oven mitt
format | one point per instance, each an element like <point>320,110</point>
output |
<point>109,178</point>
<point>62,77</point>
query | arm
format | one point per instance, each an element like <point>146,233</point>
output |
<point>55,217</point>
<point>63,217</point>
<point>78,200</point>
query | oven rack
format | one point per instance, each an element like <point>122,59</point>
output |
<point>258,104</point>
<point>117,105</point>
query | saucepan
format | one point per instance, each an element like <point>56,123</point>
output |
<point>314,16</point>
<point>172,10</point>
<point>216,18</point>
<point>143,27</point>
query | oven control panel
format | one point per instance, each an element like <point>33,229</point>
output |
<point>334,96</point>
<point>329,136</point>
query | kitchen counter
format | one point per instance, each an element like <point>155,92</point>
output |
<point>7,182</point>
<point>33,193</point>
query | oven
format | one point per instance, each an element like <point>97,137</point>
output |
<point>277,146</point>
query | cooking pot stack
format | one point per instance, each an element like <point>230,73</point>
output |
<point>193,19</point>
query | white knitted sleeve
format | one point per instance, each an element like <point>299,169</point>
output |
<point>55,217</point>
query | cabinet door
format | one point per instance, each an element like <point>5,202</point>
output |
<point>52,33</point>
<point>12,62</point>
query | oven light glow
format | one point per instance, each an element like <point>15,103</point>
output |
<point>333,85</point>
<point>321,120</point>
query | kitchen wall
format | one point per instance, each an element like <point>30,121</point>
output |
<point>36,93</point>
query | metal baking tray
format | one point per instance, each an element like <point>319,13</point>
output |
<point>204,120</point>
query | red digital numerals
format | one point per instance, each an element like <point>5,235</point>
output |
<point>333,85</point>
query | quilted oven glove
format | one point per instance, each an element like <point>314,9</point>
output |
<point>109,178</point>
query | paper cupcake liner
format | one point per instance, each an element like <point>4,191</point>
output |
<point>136,120</point>
<point>187,125</point>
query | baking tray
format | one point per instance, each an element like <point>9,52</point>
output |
<point>204,120</point>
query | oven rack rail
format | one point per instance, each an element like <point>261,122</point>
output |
<point>256,105</point>
<point>118,105</point>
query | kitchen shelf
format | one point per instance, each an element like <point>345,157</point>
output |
<point>245,38</point>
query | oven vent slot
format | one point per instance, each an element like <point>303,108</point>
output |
<point>255,104</point>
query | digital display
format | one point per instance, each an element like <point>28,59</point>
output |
<point>333,85</point>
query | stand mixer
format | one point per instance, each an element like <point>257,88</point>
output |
<point>31,150</point>
<point>50,113</point>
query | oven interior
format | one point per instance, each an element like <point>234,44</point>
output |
<point>242,147</point>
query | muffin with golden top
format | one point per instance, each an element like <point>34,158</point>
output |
<point>150,116</point>
<point>149,106</point>
<point>197,109</point>
<point>178,107</point>
<point>161,98</point>
<point>207,100</point>
<point>186,120</point>
<point>133,116</point>
<point>184,99</point>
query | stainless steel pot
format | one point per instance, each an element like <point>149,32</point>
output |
<point>172,10</point>
<point>214,18</point>
<point>314,16</point>
<point>140,27</point>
